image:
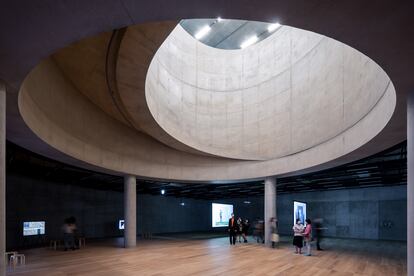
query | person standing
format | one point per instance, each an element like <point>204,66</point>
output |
<point>261,231</point>
<point>232,230</point>
<point>239,229</point>
<point>69,229</point>
<point>246,226</point>
<point>298,229</point>
<point>317,224</point>
<point>256,230</point>
<point>307,234</point>
<point>274,232</point>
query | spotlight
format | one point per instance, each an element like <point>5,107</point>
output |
<point>162,191</point>
<point>182,204</point>
<point>273,27</point>
<point>249,41</point>
<point>202,32</point>
<point>219,19</point>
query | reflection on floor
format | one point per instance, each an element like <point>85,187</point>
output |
<point>181,256</point>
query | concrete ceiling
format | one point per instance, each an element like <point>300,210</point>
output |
<point>292,101</point>
<point>31,31</point>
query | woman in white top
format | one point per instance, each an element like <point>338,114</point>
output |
<point>298,229</point>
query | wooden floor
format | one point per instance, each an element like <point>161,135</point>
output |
<point>216,257</point>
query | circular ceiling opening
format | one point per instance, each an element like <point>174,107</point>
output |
<point>287,91</point>
<point>228,34</point>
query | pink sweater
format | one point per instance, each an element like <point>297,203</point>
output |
<point>308,231</point>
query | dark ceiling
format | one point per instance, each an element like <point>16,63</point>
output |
<point>388,168</point>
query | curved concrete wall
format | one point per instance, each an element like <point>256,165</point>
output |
<point>67,120</point>
<point>290,92</point>
<point>136,51</point>
<point>89,76</point>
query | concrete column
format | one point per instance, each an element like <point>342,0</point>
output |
<point>410,185</point>
<point>130,211</point>
<point>269,206</point>
<point>2,179</point>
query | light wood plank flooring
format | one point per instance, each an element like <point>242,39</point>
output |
<point>216,257</point>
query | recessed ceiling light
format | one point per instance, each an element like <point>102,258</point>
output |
<point>249,41</point>
<point>202,32</point>
<point>273,27</point>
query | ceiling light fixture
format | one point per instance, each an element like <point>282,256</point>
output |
<point>273,27</point>
<point>162,191</point>
<point>202,32</point>
<point>219,19</point>
<point>249,41</point>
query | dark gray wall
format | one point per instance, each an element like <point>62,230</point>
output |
<point>162,214</point>
<point>98,212</point>
<point>368,213</point>
<point>371,213</point>
<point>32,200</point>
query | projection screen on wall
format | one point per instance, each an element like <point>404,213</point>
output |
<point>221,213</point>
<point>299,211</point>
<point>33,228</point>
<point>121,224</point>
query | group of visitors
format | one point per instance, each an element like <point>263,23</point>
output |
<point>258,232</point>
<point>302,235</point>
<point>238,229</point>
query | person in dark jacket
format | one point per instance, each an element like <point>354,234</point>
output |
<point>232,229</point>
<point>246,226</point>
<point>317,225</point>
